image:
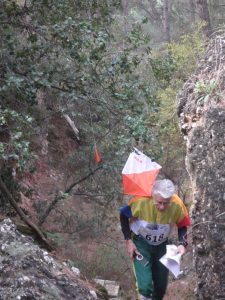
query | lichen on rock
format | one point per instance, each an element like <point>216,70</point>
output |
<point>201,109</point>
<point>29,272</point>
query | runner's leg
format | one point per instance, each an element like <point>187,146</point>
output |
<point>159,272</point>
<point>142,272</point>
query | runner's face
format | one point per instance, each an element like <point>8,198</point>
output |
<point>161,203</point>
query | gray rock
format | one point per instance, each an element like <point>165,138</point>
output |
<point>112,287</point>
<point>28,272</point>
<point>202,120</point>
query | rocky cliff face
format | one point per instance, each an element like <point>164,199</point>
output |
<point>28,272</point>
<point>201,108</point>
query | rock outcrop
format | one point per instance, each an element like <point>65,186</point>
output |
<point>201,108</point>
<point>28,272</point>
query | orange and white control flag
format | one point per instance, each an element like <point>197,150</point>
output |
<point>139,174</point>
<point>97,157</point>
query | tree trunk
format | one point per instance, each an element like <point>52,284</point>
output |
<point>192,10</point>
<point>204,16</point>
<point>23,217</point>
<point>124,4</point>
<point>166,24</point>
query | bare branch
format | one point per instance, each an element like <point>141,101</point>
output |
<point>60,197</point>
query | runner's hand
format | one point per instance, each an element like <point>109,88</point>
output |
<point>131,249</point>
<point>181,249</point>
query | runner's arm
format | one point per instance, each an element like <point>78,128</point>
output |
<point>124,221</point>
<point>125,214</point>
<point>182,236</point>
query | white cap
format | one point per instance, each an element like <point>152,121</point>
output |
<point>165,188</point>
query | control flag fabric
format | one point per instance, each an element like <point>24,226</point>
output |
<point>139,174</point>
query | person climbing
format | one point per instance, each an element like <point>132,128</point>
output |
<point>146,224</point>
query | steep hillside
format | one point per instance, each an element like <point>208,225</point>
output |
<point>74,222</point>
<point>202,116</point>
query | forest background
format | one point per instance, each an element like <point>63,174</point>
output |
<point>81,75</point>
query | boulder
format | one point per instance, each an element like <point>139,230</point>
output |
<point>29,272</point>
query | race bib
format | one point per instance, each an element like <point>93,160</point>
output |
<point>155,234</point>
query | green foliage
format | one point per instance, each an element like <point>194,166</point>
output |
<point>67,50</point>
<point>164,68</point>
<point>40,207</point>
<point>186,52</point>
<point>172,66</point>
<point>13,135</point>
<point>12,185</point>
<point>55,237</point>
<point>177,60</point>
<point>204,90</point>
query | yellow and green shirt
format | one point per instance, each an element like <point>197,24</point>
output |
<point>154,225</point>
